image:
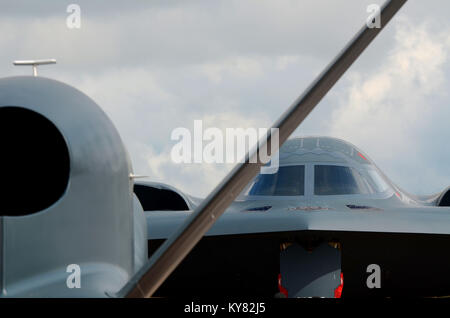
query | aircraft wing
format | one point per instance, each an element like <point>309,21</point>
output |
<point>413,220</point>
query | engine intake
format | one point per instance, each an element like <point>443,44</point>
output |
<point>444,199</point>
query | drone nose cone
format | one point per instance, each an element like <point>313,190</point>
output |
<point>66,173</point>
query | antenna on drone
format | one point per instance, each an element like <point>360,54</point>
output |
<point>35,63</point>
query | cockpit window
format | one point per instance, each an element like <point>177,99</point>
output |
<point>288,181</point>
<point>338,180</point>
<point>379,184</point>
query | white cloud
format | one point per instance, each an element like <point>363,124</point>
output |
<point>196,179</point>
<point>282,62</point>
<point>236,67</point>
<point>154,67</point>
<point>393,111</point>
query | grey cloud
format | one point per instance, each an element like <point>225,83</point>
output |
<point>154,66</point>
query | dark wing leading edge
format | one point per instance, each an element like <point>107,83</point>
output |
<point>178,245</point>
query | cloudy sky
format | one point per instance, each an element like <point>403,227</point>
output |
<point>157,65</point>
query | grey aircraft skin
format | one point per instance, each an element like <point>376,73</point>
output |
<point>376,195</point>
<point>53,215</point>
<point>326,193</point>
<point>328,223</point>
